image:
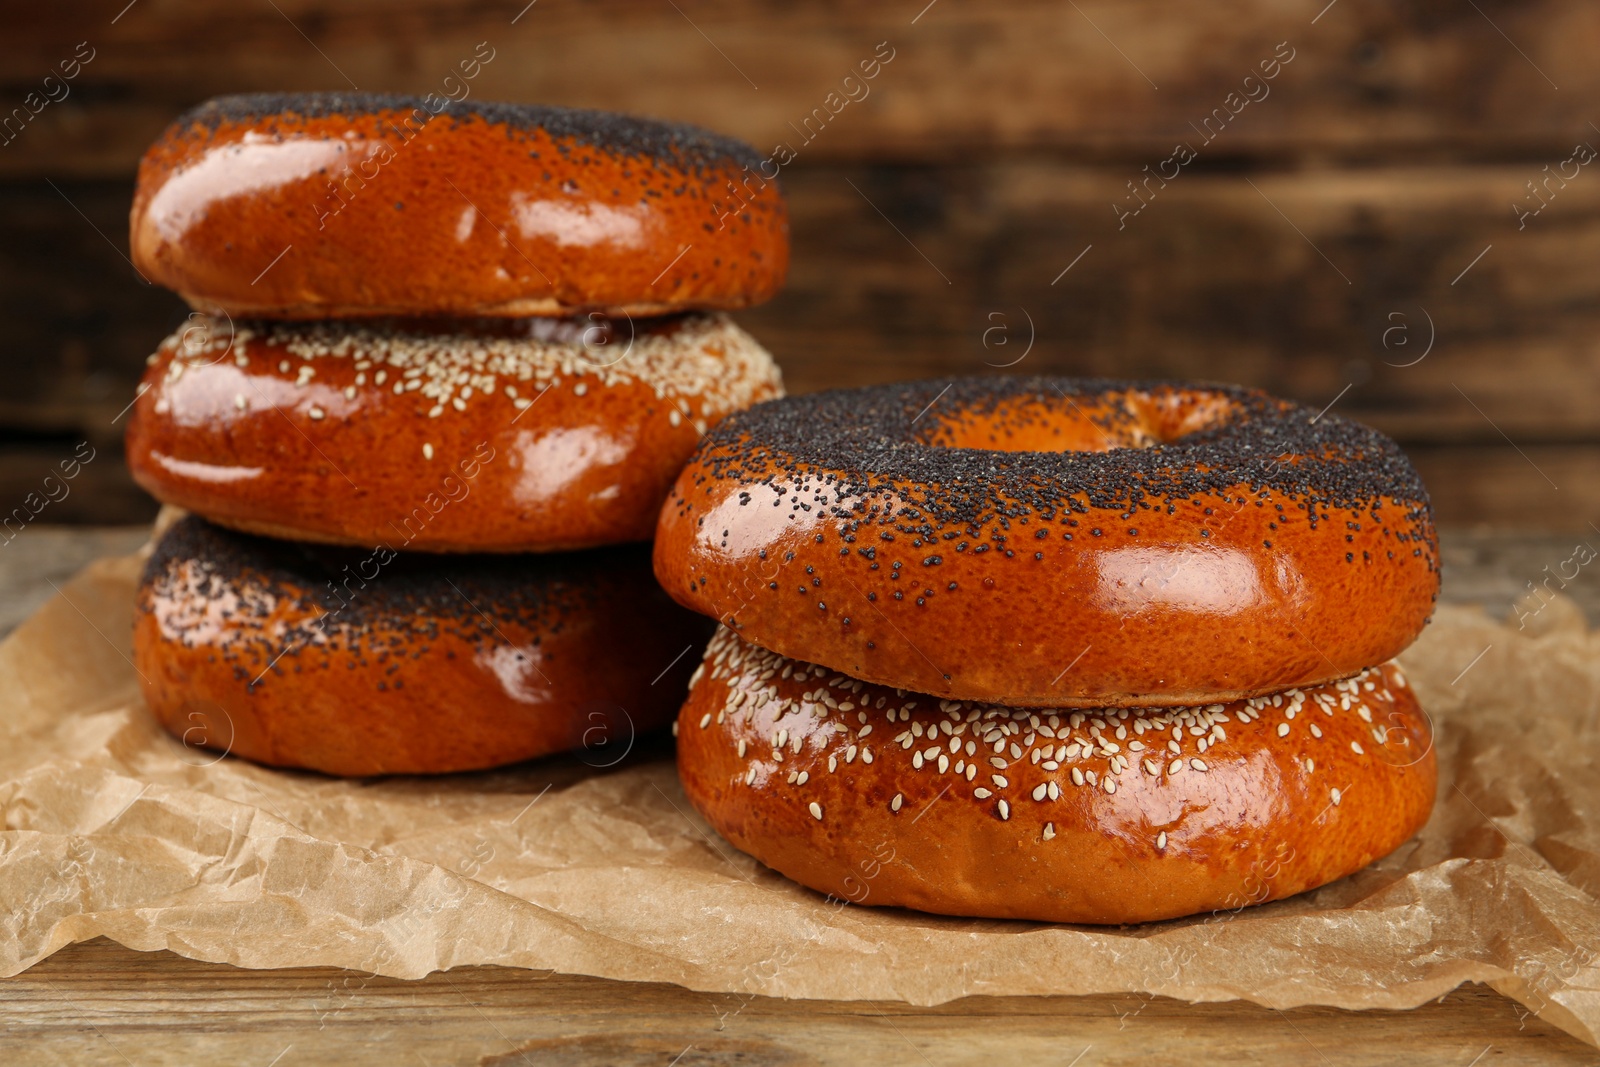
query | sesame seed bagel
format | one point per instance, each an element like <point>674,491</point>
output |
<point>361,662</point>
<point>1056,542</point>
<point>884,797</point>
<point>495,435</point>
<point>338,204</point>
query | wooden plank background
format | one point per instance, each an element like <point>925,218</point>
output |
<point>100,1003</point>
<point>1358,216</point>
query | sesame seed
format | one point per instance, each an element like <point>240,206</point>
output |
<point>816,811</point>
<point>1040,792</point>
<point>427,450</point>
<point>1049,831</point>
<point>1355,746</point>
<point>1283,729</point>
<point>1334,793</point>
<point>894,805</point>
<point>1161,840</point>
<point>981,793</point>
<point>705,720</point>
<point>315,412</point>
<point>1005,810</point>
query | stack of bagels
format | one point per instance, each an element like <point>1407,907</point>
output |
<point>1053,649</point>
<point>1036,648</point>
<point>444,365</point>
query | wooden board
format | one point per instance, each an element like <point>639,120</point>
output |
<point>1095,79</point>
<point>1289,281</point>
<point>1501,485</point>
<point>99,1003</point>
<point>1362,213</point>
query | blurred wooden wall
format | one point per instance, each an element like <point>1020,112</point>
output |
<point>1318,244</point>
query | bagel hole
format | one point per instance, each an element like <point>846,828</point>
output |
<point>1089,423</point>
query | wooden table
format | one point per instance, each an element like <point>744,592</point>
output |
<point>99,1003</point>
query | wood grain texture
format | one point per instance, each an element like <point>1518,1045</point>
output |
<point>99,1003</point>
<point>1368,78</point>
<point>1286,280</point>
<point>1341,215</point>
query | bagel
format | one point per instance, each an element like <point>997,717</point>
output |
<point>337,204</point>
<point>883,797</point>
<point>470,436</point>
<point>1056,542</point>
<point>368,662</point>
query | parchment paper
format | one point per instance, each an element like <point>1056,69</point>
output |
<point>113,828</point>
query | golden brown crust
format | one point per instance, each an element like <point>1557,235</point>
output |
<point>361,663</point>
<point>886,798</point>
<point>455,438</point>
<point>328,205</point>
<point>979,539</point>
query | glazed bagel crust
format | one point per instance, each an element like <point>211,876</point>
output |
<point>335,204</point>
<point>418,665</point>
<point>1056,542</point>
<point>1098,816</point>
<point>502,436</point>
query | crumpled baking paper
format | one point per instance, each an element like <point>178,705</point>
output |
<point>112,828</point>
